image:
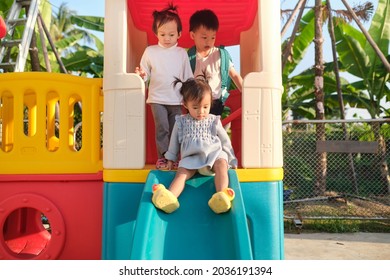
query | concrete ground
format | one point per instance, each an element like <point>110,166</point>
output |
<point>337,246</point>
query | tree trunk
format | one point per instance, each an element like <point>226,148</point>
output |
<point>320,184</point>
<point>34,58</point>
<point>43,43</point>
<point>340,95</point>
<point>382,163</point>
<point>288,48</point>
<point>35,64</point>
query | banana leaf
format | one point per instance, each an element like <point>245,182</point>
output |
<point>89,22</point>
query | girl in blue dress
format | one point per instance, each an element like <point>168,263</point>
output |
<point>204,147</point>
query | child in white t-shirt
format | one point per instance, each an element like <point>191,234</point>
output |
<point>160,65</point>
<point>204,25</point>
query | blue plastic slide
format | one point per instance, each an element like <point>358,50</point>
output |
<point>193,231</point>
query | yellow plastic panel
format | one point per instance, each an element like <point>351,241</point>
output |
<point>37,121</point>
<point>244,175</point>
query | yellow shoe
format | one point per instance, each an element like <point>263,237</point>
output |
<point>163,199</point>
<point>220,202</point>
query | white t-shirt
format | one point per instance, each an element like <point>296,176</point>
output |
<point>212,65</point>
<point>161,66</point>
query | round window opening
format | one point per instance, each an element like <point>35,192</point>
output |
<point>27,232</point>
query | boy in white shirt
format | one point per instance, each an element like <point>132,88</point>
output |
<point>161,64</point>
<point>204,25</point>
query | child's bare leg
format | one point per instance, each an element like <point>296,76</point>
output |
<point>178,183</point>
<point>220,202</point>
<point>166,200</point>
<point>221,178</point>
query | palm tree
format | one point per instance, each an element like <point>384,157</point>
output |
<point>311,24</point>
<point>299,87</point>
<point>61,25</point>
<point>80,50</point>
<point>87,60</point>
<point>74,44</point>
<point>358,57</point>
<point>362,60</point>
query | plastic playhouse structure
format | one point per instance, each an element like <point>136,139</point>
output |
<point>97,198</point>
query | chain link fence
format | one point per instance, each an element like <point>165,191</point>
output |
<point>336,169</point>
<point>332,169</point>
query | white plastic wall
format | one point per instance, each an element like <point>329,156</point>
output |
<point>124,99</point>
<point>262,145</point>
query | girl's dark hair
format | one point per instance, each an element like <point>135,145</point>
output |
<point>194,89</point>
<point>162,17</point>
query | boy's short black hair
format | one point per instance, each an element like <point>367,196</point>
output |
<point>206,18</point>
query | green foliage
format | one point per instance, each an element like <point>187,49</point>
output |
<point>356,57</point>
<point>68,42</point>
<point>360,59</point>
<point>299,148</point>
<point>89,22</point>
<point>68,39</point>
<point>85,60</point>
<point>301,43</point>
<point>4,6</point>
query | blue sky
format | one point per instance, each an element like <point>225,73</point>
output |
<point>82,7</point>
<point>96,8</point>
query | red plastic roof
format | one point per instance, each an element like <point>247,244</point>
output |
<point>234,17</point>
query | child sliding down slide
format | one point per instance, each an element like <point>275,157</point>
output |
<point>204,147</point>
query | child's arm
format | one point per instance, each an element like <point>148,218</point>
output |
<point>144,69</point>
<point>140,72</point>
<point>236,78</point>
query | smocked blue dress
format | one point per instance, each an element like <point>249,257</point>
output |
<point>200,142</point>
